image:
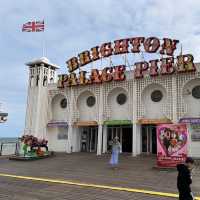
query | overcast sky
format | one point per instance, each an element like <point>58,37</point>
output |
<point>77,25</point>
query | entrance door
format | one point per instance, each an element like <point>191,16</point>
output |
<point>149,142</point>
<point>112,133</point>
<point>124,133</point>
<point>89,139</point>
<point>127,139</point>
<point>154,140</point>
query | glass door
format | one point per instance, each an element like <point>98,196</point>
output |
<point>89,139</point>
<point>84,140</point>
<point>149,142</point>
<point>93,139</point>
<point>153,140</point>
<point>115,131</point>
<point>145,139</point>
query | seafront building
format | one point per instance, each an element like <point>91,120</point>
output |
<point>86,118</point>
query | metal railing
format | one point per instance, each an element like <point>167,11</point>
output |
<point>9,148</point>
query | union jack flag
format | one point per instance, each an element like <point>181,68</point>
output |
<point>34,26</point>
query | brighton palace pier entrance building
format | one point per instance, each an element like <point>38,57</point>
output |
<point>79,113</point>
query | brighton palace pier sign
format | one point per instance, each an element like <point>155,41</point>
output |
<point>164,66</point>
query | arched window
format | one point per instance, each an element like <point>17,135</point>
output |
<point>37,80</point>
<point>45,81</point>
<point>51,80</point>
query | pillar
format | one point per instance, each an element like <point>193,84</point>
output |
<point>100,126</point>
<point>70,127</point>
<point>104,139</point>
<point>134,131</point>
<point>134,140</point>
<point>99,143</point>
<point>69,141</point>
<point>174,99</point>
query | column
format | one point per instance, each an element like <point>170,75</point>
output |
<point>70,126</point>
<point>139,139</point>
<point>134,133</point>
<point>99,143</point>
<point>77,139</point>
<point>174,99</point>
<point>69,139</point>
<point>134,139</point>
<point>104,139</point>
<point>100,122</point>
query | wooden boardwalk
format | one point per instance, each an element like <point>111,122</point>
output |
<point>87,168</point>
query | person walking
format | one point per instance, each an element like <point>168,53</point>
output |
<point>116,149</point>
<point>184,179</point>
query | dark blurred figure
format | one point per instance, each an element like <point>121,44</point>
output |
<point>184,179</point>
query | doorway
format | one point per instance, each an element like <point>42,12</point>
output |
<point>124,133</point>
<point>89,139</point>
<point>149,139</point>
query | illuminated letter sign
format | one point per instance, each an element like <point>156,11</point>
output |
<point>165,66</point>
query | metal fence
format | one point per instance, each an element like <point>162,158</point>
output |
<point>9,148</point>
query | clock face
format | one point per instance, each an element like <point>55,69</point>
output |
<point>63,103</point>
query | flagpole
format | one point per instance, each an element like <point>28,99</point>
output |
<point>181,50</point>
<point>44,43</point>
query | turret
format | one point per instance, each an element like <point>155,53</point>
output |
<point>41,73</point>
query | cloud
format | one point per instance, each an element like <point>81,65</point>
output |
<point>78,25</point>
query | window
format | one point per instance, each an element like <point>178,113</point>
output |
<point>45,81</point>
<point>196,92</point>
<point>37,80</point>
<point>62,134</point>
<point>91,101</point>
<point>156,96</point>
<point>51,80</point>
<point>121,99</point>
<point>63,103</point>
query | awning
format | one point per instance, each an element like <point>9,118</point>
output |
<point>57,124</point>
<point>191,120</point>
<point>154,121</point>
<point>118,122</point>
<point>85,123</point>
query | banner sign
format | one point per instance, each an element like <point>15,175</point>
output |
<point>190,120</point>
<point>167,65</point>
<point>195,132</point>
<point>172,141</point>
<point>57,124</point>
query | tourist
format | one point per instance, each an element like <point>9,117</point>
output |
<point>184,179</point>
<point>116,149</point>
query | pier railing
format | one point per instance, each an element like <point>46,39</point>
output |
<point>9,148</point>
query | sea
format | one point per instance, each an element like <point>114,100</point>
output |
<point>8,145</point>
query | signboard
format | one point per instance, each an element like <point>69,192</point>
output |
<point>190,120</point>
<point>57,124</point>
<point>195,132</point>
<point>172,141</point>
<point>167,65</point>
<point>155,121</point>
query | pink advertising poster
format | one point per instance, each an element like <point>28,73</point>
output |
<point>172,140</point>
